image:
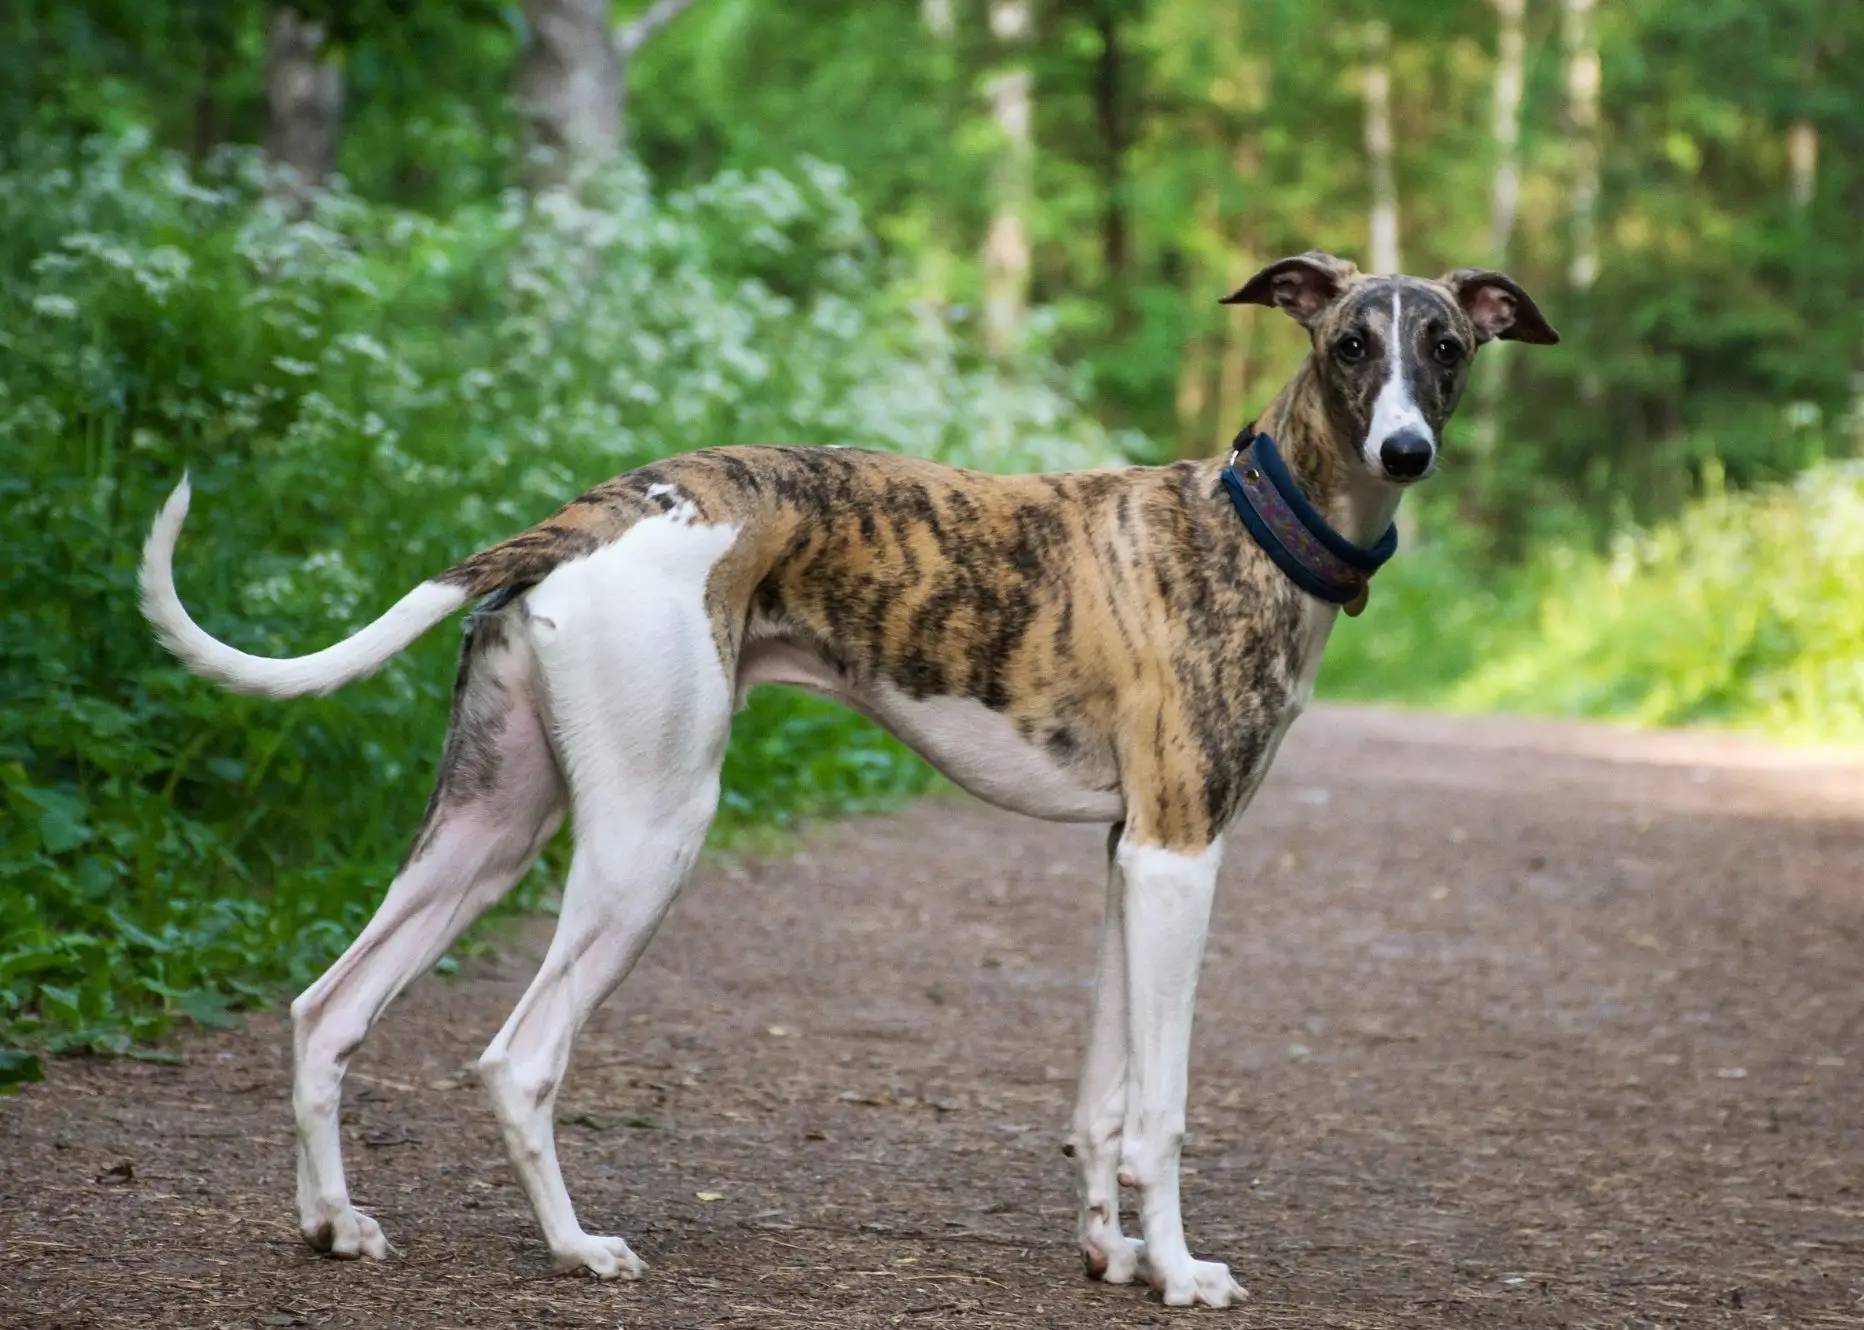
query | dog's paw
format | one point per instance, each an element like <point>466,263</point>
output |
<point>345,1234</point>
<point>1113,1260</point>
<point>605,1258</point>
<point>1196,1284</point>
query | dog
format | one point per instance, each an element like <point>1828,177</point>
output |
<point>1121,646</point>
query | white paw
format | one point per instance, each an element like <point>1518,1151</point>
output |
<point>605,1258</point>
<point>345,1234</point>
<point>1196,1284</point>
<point>1114,1259</point>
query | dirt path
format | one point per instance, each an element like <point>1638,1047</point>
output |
<point>1502,1024</point>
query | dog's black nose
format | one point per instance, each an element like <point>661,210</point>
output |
<point>1406,454</point>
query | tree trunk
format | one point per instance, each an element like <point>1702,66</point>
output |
<point>304,101</point>
<point>1802,154</point>
<point>1110,113</point>
<point>1006,246</point>
<point>569,86</point>
<point>937,256</point>
<point>1510,80</point>
<point>1236,358</point>
<point>214,30</point>
<point>1582,119</point>
<point>1233,364</point>
<point>1582,116</point>
<point>1491,369</point>
<point>1378,98</point>
<point>209,128</point>
<point>1192,398</point>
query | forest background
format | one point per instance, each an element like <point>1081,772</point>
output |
<point>395,277</point>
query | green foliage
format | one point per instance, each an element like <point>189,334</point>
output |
<point>1225,136</point>
<point>1740,611</point>
<point>364,395</point>
<point>427,361</point>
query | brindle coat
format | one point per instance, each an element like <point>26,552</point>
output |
<point>1123,620</point>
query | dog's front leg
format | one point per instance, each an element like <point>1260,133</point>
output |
<point>1100,1105</point>
<point>1166,897</point>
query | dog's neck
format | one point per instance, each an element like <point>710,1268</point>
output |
<point>1324,461</point>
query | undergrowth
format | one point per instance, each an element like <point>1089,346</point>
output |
<point>1742,612</point>
<point>364,395</point>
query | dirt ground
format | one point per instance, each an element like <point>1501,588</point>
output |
<point>1502,1024</point>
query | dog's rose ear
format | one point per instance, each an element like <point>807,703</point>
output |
<point>1301,287</point>
<point>1498,307</point>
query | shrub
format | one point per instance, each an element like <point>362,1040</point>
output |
<point>1741,611</point>
<point>364,395</point>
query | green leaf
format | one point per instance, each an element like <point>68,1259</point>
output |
<point>208,1007</point>
<point>164,1056</point>
<point>18,1068</point>
<point>61,819</point>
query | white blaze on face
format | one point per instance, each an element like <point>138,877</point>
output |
<point>1395,408</point>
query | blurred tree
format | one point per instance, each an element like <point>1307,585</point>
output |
<point>1582,122</point>
<point>1688,222</point>
<point>304,100</point>
<point>569,84</point>
<point>1011,92</point>
<point>1491,370</point>
<point>1377,89</point>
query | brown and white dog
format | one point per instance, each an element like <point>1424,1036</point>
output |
<point>1104,646</point>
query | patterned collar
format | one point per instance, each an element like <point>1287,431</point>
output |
<point>1291,530</point>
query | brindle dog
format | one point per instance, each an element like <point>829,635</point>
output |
<point>1107,646</point>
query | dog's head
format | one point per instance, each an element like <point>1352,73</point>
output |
<point>1392,353</point>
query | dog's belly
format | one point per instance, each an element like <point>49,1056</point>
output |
<point>977,748</point>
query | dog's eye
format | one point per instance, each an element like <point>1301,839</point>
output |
<point>1351,349</point>
<point>1447,351</point>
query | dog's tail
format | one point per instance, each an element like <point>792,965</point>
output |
<point>321,671</point>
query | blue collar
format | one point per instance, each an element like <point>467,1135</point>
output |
<point>1291,530</point>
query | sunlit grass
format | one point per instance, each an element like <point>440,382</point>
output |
<point>1744,611</point>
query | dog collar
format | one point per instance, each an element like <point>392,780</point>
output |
<point>1291,530</point>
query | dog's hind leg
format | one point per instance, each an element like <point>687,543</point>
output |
<point>498,799</point>
<point>641,704</point>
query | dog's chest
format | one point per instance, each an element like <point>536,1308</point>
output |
<point>977,748</point>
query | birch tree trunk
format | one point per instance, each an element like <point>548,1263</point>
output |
<point>1582,118</point>
<point>1802,155</point>
<point>936,261</point>
<point>1491,369</point>
<point>569,86</point>
<point>1510,81</point>
<point>1802,140</point>
<point>1378,98</point>
<point>304,103</point>
<point>1006,245</point>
